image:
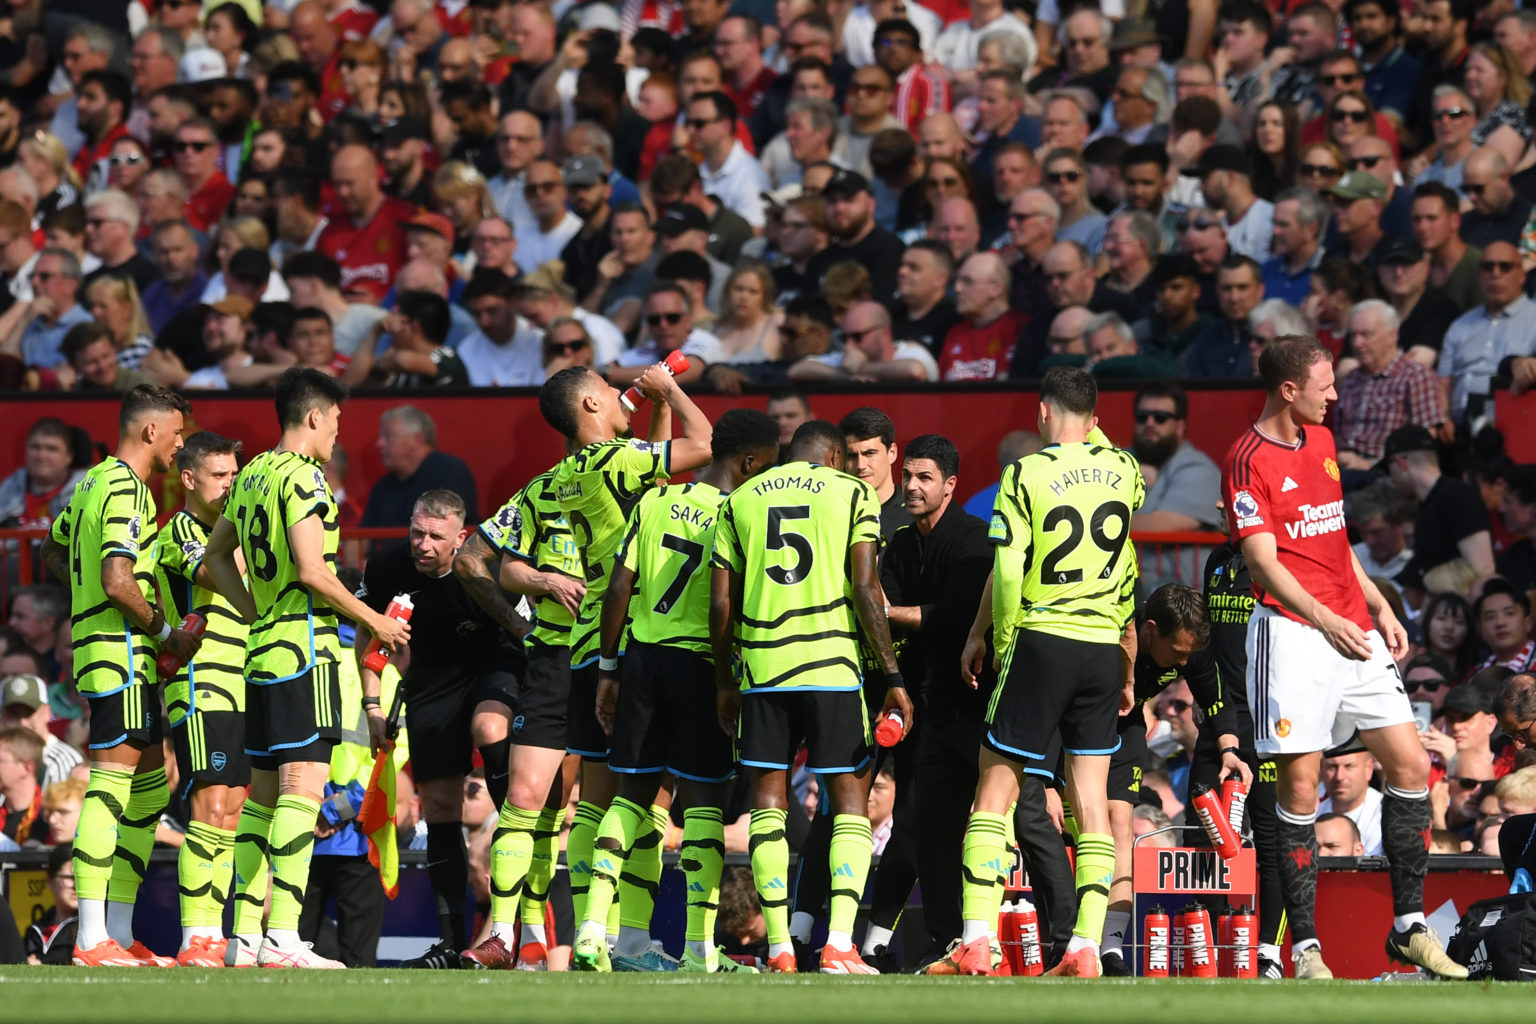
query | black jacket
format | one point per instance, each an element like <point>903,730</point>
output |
<point>943,573</point>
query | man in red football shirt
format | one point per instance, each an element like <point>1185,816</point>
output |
<point>368,238</point>
<point>1318,669</point>
<point>320,47</point>
<point>196,156</point>
<point>980,346</point>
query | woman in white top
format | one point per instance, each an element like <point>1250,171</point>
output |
<point>748,327</point>
<point>543,297</point>
<point>229,30</point>
<point>114,302</point>
<point>233,235</point>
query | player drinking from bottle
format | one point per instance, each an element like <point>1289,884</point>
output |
<point>1321,650</point>
<point>662,717</point>
<point>103,546</point>
<point>205,701</point>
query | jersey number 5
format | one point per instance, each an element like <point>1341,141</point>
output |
<point>778,539</point>
<point>1051,572</point>
<point>693,557</point>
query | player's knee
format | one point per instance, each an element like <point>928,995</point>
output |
<point>489,725</point>
<point>523,795</point>
<point>1410,770</point>
<point>209,804</point>
<point>442,800</point>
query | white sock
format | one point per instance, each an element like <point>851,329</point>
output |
<point>506,931</point>
<point>877,937</point>
<point>120,923</point>
<point>1078,942</point>
<point>534,933</point>
<point>1402,922</point>
<point>800,926</point>
<point>974,930</point>
<point>776,948</point>
<point>1301,947</point>
<point>842,942</point>
<point>1115,923</point>
<point>283,937</point>
<point>1269,952</point>
<point>190,932</point>
<point>701,949</point>
<point>253,941</point>
<point>91,927</point>
<point>632,941</point>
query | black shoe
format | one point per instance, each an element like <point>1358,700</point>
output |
<point>1113,966</point>
<point>807,960</point>
<point>1051,955</point>
<point>1270,970</point>
<point>882,961</point>
<point>441,957</point>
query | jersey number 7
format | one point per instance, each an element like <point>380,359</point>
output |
<point>693,556</point>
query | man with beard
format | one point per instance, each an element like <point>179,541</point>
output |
<point>231,105</point>
<point>101,113</point>
<point>586,182</point>
<point>1183,484</point>
<point>600,98</point>
<point>403,150</point>
<point>468,106</point>
<point>851,215</point>
<point>165,110</point>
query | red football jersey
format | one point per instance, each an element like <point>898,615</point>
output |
<point>369,254</point>
<point>1294,493</point>
<point>353,23</point>
<point>981,353</point>
<point>205,207</point>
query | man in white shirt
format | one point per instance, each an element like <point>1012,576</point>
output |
<point>553,224</point>
<point>506,351</point>
<point>1347,781</point>
<point>519,139</point>
<point>1378,514</point>
<point>870,355</point>
<point>729,172</point>
<point>668,319</point>
<point>1226,179</point>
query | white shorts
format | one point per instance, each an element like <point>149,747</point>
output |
<point>1306,696</point>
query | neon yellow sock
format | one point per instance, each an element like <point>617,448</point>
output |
<point>512,848</point>
<point>769,848</point>
<point>252,866</point>
<point>1095,872</point>
<point>984,866</point>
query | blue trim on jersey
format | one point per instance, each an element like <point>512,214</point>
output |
<point>1092,753</point>
<point>1013,750</point>
<point>803,688</point>
<point>125,552</point>
<point>1043,773</point>
<point>590,755</point>
<point>104,746</point>
<point>639,771</point>
<point>590,661</point>
<point>843,771</point>
<point>695,778</point>
<point>289,746</point>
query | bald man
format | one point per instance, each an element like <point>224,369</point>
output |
<point>367,237</point>
<point>939,137</point>
<point>319,47</point>
<point>980,346</point>
<point>533,35</point>
<point>1498,213</point>
<point>956,226</point>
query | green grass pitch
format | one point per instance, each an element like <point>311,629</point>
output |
<point>44,994</point>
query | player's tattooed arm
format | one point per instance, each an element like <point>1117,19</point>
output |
<point>122,589</point>
<point>56,559</point>
<point>478,568</point>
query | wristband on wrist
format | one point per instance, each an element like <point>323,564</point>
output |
<point>607,664</point>
<point>165,631</point>
<point>893,680</point>
<point>1237,752</point>
<point>371,702</point>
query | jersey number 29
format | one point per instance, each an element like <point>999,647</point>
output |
<point>1051,572</point>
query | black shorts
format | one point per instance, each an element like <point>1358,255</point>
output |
<point>294,721</point>
<point>834,726</point>
<point>1052,684</point>
<point>440,706</point>
<point>666,718</point>
<point>1125,764</point>
<point>583,734</point>
<point>539,719</point>
<point>210,748</point>
<point>131,715</point>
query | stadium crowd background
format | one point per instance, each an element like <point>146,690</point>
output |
<point>796,193</point>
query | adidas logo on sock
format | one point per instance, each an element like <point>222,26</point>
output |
<point>695,887</point>
<point>843,871</point>
<point>774,883</point>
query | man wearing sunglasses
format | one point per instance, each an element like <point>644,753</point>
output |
<point>1498,213</point>
<point>1502,329</point>
<point>1454,117</point>
<point>668,316</point>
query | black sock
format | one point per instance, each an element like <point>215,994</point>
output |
<point>1404,838</point>
<point>1298,871</point>
<point>496,755</point>
<point>448,871</point>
